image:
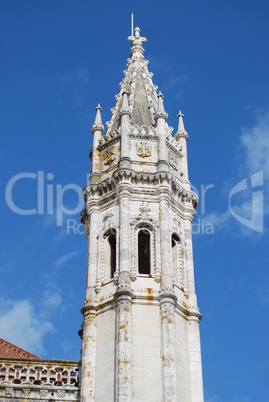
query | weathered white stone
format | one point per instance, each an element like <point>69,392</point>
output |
<point>142,341</point>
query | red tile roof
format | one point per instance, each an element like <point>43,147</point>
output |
<point>7,349</point>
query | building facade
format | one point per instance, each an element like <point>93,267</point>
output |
<point>140,332</point>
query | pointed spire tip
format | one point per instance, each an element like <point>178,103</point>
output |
<point>160,108</point>
<point>181,132</point>
<point>98,120</point>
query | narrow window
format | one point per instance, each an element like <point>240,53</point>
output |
<point>144,252</point>
<point>175,256</point>
<point>112,249</point>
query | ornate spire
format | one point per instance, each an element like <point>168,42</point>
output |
<point>181,127</point>
<point>137,51</point>
<point>98,120</point>
<point>181,132</point>
<point>160,108</point>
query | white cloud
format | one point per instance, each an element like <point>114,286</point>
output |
<point>79,77</point>
<point>262,293</point>
<point>51,299</point>
<point>48,221</point>
<point>61,235</point>
<point>61,261</point>
<point>248,204</point>
<point>21,325</point>
<point>218,220</point>
<point>214,398</point>
<point>174,81</point>
<point>254,146</point>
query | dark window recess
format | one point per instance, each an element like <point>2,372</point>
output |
<point>144,252</point>
<point>175,240</point>
<point>112,244</point>
<point>175,254</point>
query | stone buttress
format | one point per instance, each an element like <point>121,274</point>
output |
<point>140,332</point>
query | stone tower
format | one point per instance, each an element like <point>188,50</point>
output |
<point>140,332</point>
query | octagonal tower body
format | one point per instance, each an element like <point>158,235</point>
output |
<point>140,332</point>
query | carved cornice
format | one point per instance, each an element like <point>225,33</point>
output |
<point>109,140</point>
<point>144,137</point>
<point>160,181</point>
<point>93,190</point>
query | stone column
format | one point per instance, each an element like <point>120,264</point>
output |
<point>194,347</point>
<point>167,306</point>
<point>88,355</point>
<point>123,347</point>
<point>125,122</point>
<point>194,318</point>
<point>161,118</point>
<point>123,298</point>
<point>165,236</point>
<point>189,263</point>
<point>167,311</point>
<point>92,253</point>
<point>124,268</point>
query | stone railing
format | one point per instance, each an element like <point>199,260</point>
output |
<point>37,380</point>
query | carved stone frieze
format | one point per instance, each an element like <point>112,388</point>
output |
<point>44,393</point>
<point>142,132</point>
<point>151,181</point>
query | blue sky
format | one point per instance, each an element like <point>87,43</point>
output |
<point>210,59</point>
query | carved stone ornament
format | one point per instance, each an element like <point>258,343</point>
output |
<point>177,224</point>
<point>108,220</point>
<point>108,156</point>
<point>9,392</point>
<point>173,161</point>
<point>43,393</point>
<point>143,149</point>
<point>144,212</point>
<point>144,215</point>
<point>60,393</point>
<point>26,392</point>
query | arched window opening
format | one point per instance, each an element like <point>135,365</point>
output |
<point>144,252</point>
<point>111,251</point>
<point>112,243</point>
<point>175,255</point>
